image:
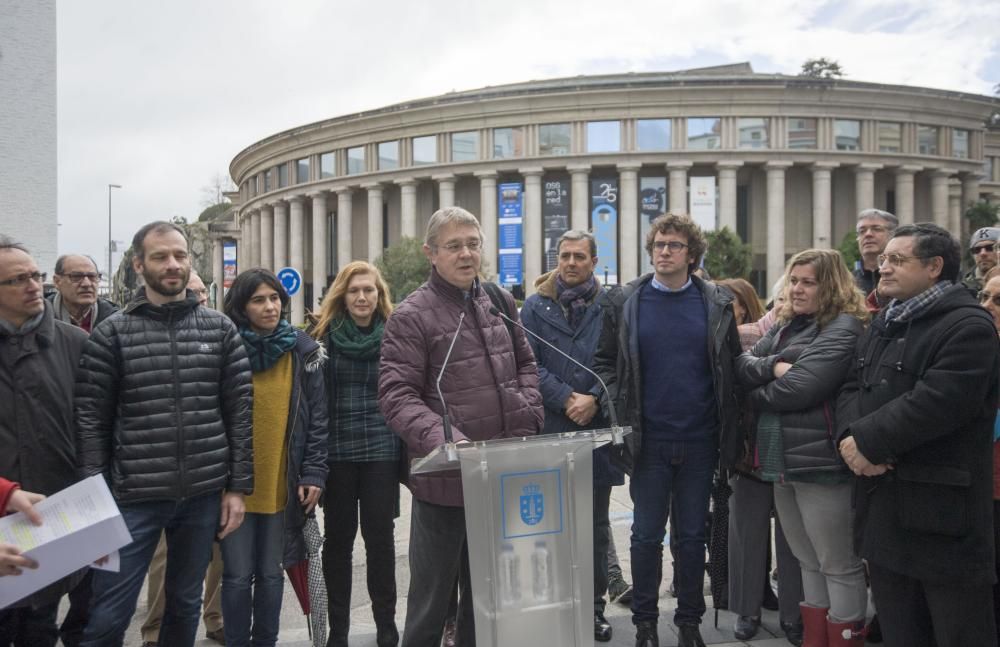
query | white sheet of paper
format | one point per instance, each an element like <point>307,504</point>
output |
<point>79,525</point>
<point>113,565</point>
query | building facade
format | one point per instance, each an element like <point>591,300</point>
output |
<point>784,161</point>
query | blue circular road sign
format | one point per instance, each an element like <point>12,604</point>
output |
<point>290,279</point>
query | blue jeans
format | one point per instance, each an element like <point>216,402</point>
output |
<point>190,526</point>
<point>680,471</point>
<point>251,559</point>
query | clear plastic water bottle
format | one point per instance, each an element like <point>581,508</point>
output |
<point>510,580</point>
<point>541,568</point>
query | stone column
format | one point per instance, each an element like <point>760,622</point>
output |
<point>904,193</point>
<point>955,207</point>
<point>628,210</point>
<point>345,219</point>
<point>727,193</point>
<point>267,238</point>
<point>822,213</point>
<point>296,252</point>
<point>775,220</point>
<point>488,221</point>
<point>280,235</point>
<point>939,196</point>
<point>407,207</point>
<point>374,221</point>
<point>243,254</point>
<point>255,240</point>
<point>319,251</point>
<point>864,186</point>
<point>218,273</point>
<point>678,185</point>
<point>532,233</point>
<point>579,196</point>
<point>970,195</point>
<point>446,190</point>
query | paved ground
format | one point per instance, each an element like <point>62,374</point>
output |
<point>295,634</point>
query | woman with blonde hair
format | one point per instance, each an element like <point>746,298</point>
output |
<point>792,376</point>
<point>364,453</point>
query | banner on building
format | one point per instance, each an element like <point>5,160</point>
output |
<point>652,203</point>
<point>555,215</point>
<point>510,225</point>
<point>702,206</point>
<point>229,269</point>
<point>604,224</point>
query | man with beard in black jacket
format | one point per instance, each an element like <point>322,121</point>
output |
<point>916,421</point>
<point>163,405</point>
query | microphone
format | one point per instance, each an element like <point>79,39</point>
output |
<point>448,442</point>
<point>615,427</point>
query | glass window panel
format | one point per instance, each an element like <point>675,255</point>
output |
<point>988,169</point>
<point>960,143</point>
<point>282,175</point>
<point>890,137</point>
<point>327,165</point>
<point>753,132</point>
<point>927,140</point>
<point>355,160</point>
<point>508,142</point>
<point>802,132</point>
<point>388,155</point>
<point>260,184</point>
<point>553,139</point>
<point>465,146</point>
<point>604,136</point>
<point>653,134</point>
<point>425,150</point>
<point>847,134</point>
<point>704,132</point>
<point>302,170</point>
<point>268,180</point>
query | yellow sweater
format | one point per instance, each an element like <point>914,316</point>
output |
<point>271,394</point>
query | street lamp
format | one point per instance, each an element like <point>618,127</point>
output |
<point>110,243</point>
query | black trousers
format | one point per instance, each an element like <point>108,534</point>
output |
<point>913,613</point>
<point>602,532</point>
<point>28,627</point>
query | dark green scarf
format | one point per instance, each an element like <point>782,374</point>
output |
<point>265,350</point>
<point>349,341</point>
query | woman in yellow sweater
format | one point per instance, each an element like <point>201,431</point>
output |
<point>290,458</point>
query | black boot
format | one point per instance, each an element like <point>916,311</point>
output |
<point>387,635</point>
<point>602,629</point>
<point>645,634</point>
<point>689,636</point>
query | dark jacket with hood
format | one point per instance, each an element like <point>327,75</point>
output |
<point>618,363</point>
<point>922,397</point>
<point>163,403</point>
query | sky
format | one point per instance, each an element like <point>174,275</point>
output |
<point>158,96</point>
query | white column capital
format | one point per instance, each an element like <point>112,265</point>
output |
<point>823,166</point>
<point>907,169</point>
<point>486,175</point>
<point>777,165</point>
<point>531,171</point>
<point>578,168</point>
<point>405,182</point>
<point>447,177</point>
<point>298,198</point>
<point>868,167</point>
<point>627,167</point>
<point>322,193</point>
<point>972,176</point>
<point>729,164</point>
<point>344,191</point>
<point>679,165</point>
<point>942,172</point>
<point>369,186</point>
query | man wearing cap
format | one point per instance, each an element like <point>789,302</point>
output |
<point>983,247</point>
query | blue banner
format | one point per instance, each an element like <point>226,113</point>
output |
<point>510,226</point>
<point>604,224</point>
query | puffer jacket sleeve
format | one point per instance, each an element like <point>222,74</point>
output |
<point>314,463</point>
<point>95,399</point>
<point>527,380</point>
<point>236,395</point>
<point>605,362</point>
<point>755,367</point>
<point>818,373</point>
<point>554,390</point>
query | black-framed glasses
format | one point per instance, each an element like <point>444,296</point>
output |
<point>897,260</point>
<point>673,246</point>
<point>21,279</point>
<point>78,277</point>
<point>985,296</point>
<point>984,248</point>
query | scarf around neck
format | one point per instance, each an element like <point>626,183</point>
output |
<point>576,299</point>
<point>914,307</point>
<point>265,350</point>
<point>350,341</point>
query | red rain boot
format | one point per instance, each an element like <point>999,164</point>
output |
<point>814,630</point>
<point>845,634</point>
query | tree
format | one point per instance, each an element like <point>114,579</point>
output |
<point>821,68</point>
<point>404,267</point>
<point>215,192</point>
<point>727,257</point>
<point>982,214</point>
<point>849,249</point>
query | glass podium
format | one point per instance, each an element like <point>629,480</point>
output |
<point>529,523</point>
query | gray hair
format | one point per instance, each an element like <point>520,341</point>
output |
<point>6,242</point>
<point>578,234</point>
<point>448,216</point>
<point>890,219</point>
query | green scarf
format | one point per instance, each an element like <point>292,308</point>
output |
<point>349,341</point>
<point>770,447</point>
<point>265,350</point>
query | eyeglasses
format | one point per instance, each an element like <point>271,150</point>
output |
<point>897,260</point>
<point>983,248</point>
<point>202,292</point>
<point>875,229</point>
<point>673,246</point>
<point>77,277</point>
<point>21,279</point>
<point>455,247</point>
<point>985,296</point>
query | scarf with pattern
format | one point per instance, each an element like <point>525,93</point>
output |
<point>575,300</point>
<point>265,350</point>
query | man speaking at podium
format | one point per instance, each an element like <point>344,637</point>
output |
<point>489,389</point>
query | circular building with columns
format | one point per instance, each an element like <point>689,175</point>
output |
<point>784,161</point>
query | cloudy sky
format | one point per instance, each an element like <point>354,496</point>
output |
<point>159,96</point>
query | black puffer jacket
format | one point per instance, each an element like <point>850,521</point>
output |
<point>806,395</point>
<point>163,403</point>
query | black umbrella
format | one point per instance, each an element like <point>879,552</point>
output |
<point>718,545</point>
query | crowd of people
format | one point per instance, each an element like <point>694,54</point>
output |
<point>859,412</point>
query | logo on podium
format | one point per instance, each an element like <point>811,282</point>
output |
<point>532,504</point>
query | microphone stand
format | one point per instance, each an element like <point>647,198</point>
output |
<point>449,444</point>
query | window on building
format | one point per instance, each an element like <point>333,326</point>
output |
<point>927,140</point>
<point>425,150</point>
<point>802,132</point>
<point>988,169</point>
<point>704,132</point>
<point>604,136</point>
<point>652,134</point>
<point>553,139</point>
<point>388,155</point>
<point>327,165</point>
<point>249,186</point>
<point>960,143</point>
<point>282,175</point>
<point>753,132</point>
<point>302,170</point>
<point>259,184</point>
<point>355,160</point>
<point>268,180</point>
<point>508,142</point>
<point>465,146</point>
<point>847,134</point>
<point>890,137</point>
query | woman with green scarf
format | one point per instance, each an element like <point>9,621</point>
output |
<point>289,458</point>
<point>364,453</point>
